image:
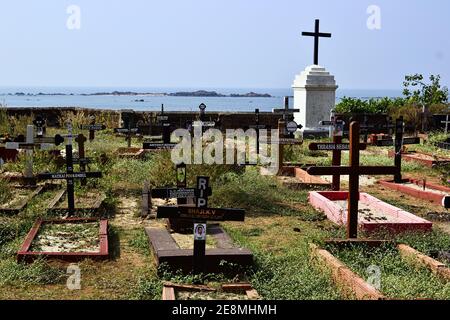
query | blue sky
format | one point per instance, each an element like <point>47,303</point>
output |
<point>219,43</point>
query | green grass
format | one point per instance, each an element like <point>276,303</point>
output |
<point>37,273</point>
<point>399,279</point>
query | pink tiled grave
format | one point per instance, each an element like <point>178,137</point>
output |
<point>374,214</point>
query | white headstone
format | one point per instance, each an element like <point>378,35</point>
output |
<point>315,97</point>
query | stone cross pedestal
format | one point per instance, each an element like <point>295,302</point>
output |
<point>315,95</point>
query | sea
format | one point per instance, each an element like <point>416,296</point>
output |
<point>81,97</point>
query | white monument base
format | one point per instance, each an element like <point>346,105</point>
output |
<point>315,97</point>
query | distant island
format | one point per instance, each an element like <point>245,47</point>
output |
<point>198,93</point>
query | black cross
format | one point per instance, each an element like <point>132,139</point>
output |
<point>92,127</point>
<point>316,34</point>
<point>69,175</point>
<point>398,142</point>
<point>199,214</point>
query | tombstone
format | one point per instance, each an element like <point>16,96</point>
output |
<point>199,215</point>
<point>70,176</point>
<point>314,91</point>
<point>354,170</point>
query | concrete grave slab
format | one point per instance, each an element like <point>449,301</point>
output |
<point>374,214</point>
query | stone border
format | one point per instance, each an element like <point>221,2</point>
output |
<point>24,203</point>
<point>323,201</point>
<point>438,268</point>
<point>414,156</point>
<point>93,209</point>
<point>350,284</point>
<point>170,289</point>
<point>166,250</point>
<point>417,193</point>
<point>24,254</point>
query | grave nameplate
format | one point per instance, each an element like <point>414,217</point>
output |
<point>189,212</point>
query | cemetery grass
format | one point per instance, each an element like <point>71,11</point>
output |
<point>278,228</point>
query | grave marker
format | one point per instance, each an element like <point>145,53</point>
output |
<point>199,215</point>
<point>92,127</point>
<point>354,170</point>
<point>202,122</point>
<point>69,175</point>
<point>29,145</point>
<point>398,142</point>
<point>446,122</point>
<point>39,122</point>
<point>317,35</point>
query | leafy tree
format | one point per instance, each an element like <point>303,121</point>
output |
<point>417,91</point>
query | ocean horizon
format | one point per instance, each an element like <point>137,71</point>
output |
<point>83,97</point>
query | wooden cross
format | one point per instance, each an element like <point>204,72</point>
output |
<point>336,147</point>
<point>317,35</point>
<point>398,142</point>
<point>202,119</point>
<point>69,175</point>
<point>354,170</point>
<point>128,131</point>
<point>29,145</point>
<point>82,160</point>
<point>92,127</point>
<point>199,215</point>
<point>165,128</point>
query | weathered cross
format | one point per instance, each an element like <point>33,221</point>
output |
<point>163,120</point>
<point>183,195</point>
<point>202,119</point>
<point>29,145</point>
<point>92,127</point>
<point>199,215</point>
<point>317,35</point>
<point>82,160</point>
<point>354,170</point>
<point>257,126</point>
<point>128,131</point>
<point>69,175</point>
<point>336,147</point>
<point>398,142</point>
